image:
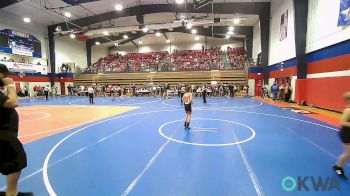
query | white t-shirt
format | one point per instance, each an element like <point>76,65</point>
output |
<point>90,90</point>
<point>46,89</point>
<point>183,89</point>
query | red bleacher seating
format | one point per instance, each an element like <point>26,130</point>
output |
<point>178,60</point>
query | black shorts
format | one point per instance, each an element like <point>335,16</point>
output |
<point>344,135</point>
<point>91,95</point>
<point>12,155</point>
<point>188,108</point>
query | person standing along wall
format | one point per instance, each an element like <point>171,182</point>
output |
<point>274,91</point>
<point>70,90</point>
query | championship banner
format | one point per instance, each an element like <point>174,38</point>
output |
<point>344,13</point>
<point>284,26</point>
<point>25,68</point>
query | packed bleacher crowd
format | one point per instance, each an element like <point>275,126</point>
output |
<point>237,57</point>
<point>178,60</point>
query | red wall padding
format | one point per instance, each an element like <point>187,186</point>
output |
<point>64,79</point>
<point>255,76</point>
<point>327,92</point>
<point>30,78</point>
<point>287,72</point>
<point>338,63</point>
<point>300,88</point>
<point>39,79</point>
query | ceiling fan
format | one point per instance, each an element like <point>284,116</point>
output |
<point>185,18</point>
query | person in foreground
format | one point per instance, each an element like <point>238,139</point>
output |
<point>187,99</point>
<point>345,138</point>
<point>12,155</point>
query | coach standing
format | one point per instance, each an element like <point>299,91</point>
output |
<point>204,93</point>
<point>46,91</point>
<point>231,88</point>
<point>91,94</point>
<point>12,155</point>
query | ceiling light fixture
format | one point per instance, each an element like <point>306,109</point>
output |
<point>231,28</point>
<point>158,34</point>
<point>72,35</point>
<point>140,42</point>
<point>58,29</point>
<point>145,29</point>
<point>67,14</point>
<point>188,25</point>
<point>116,44</point>
<point>228,36</point>
<point>196,38</point>
<point>26,20</point>
<point>167,41</point>
<point>125,36</point>
<point>118,7</point>
<point>97,43</point>
<point>236,20</point>
<point>105,33</point>
<point>180,1</point>
<point>194,31</point>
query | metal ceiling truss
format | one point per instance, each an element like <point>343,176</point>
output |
<point>218,32</point>
<point>255,8</point>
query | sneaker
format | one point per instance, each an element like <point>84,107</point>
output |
<point>19,194</point>
<point>188,125</point>
<point>339,171</point>
<point>25,194</point>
